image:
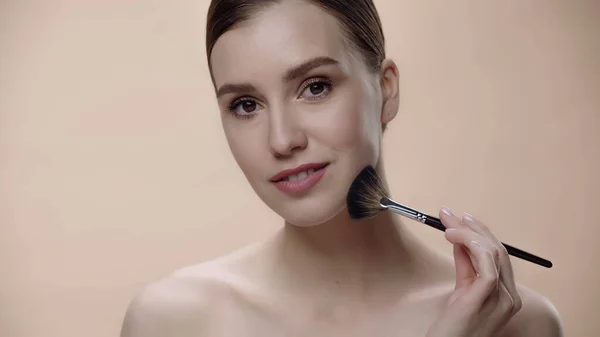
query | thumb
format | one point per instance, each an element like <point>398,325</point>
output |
<point>465,271</point>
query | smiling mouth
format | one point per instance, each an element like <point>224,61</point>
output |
<point>296,181</point>
<point>301,175</point>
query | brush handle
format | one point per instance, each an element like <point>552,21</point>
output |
<point>437,224</point>
<point>516,252</point>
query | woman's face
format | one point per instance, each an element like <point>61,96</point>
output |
<point>294,97</point>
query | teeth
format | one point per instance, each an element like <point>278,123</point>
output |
<point>300,176</point>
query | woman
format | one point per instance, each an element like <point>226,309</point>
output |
<point>305,92</point>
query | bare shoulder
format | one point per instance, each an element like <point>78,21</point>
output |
<point>191,301</point>
<point>162,306</point>
<point>537,317</point>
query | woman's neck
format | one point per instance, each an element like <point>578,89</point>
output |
<point>349,260</point>
<point>343,241</point>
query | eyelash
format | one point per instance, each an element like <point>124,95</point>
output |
<point>315,80</point>
<point>236,103</point>
<point>318,80</point>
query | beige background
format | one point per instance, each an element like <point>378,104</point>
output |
<point>114,169</point>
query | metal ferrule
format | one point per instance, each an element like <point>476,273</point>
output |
<point>405,211</point>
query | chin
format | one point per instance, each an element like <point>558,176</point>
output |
<point>311,211</point>
<point>313,217</point>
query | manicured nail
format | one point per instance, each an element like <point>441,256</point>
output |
<point>451,230</point>
<point>447,210</point>
<point>469,217</point>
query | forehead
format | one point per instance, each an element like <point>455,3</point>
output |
<point>277,38</point>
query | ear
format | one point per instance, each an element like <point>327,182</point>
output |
<point>389,90</point>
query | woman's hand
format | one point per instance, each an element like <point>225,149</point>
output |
<point>485,297</point>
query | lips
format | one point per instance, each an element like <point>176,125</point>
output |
<point>298,173</point>
<point>298,180</point>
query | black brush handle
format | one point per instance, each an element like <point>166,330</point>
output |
<point>516,252</point>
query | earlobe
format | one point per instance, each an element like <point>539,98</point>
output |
<point>390,91</point>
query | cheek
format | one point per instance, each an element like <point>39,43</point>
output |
<point>350,125</point>
<point>245,147</point>
<point>345,129</point>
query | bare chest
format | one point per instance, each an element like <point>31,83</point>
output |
<point>410,318</point>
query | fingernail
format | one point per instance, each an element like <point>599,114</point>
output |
<point>469,217</point>
<point>447,210</point>
<point>450,230</point>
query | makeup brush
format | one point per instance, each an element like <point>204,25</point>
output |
<point>367,197</point>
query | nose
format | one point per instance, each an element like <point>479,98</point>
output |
<point>286,136</point>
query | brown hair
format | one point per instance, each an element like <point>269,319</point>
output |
<point>358,18</point>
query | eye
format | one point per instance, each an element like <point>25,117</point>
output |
<point>244,107</point>
<point>316,88</point>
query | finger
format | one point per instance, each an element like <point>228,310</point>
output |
<point>502,311</point>
<point>476,246</point>
<point>488,280</point>
<point>465,272</point>
<point>449,220</point>
<point>483,263</point>
<point>505,302</point>
<point>505,265</point>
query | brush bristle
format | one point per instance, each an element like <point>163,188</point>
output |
<point>365,194</point>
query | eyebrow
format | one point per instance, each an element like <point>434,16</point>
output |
<point>290,75</point>
<point>242,88</point>
<point>307,66</point>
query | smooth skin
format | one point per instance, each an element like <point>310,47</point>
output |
<point>291,91</point>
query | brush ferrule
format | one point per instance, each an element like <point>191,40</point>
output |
<point>403,210</point>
